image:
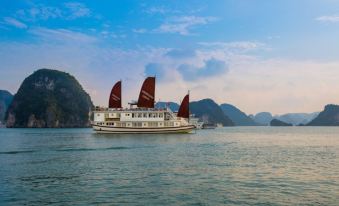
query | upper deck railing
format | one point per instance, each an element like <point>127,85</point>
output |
<point>103,109</point>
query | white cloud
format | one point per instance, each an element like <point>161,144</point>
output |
<point>157,10</point>
<point>62,35</point>
<point>183,24</point>
<point>238,45</point>
<point>332,18</point>
<point>140,31</point>
<point>16,23</point>
<point>273,37</point>
<point>77,10</point>
<point>212,67</point>
<point>68,11</point>
<point>45,12</point>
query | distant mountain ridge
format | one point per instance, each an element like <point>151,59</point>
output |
<point>49,98</point>
<point>297,118</point>
<point>328,117</point>
<point>279,123</point>
<point>209,111</point>
<point>172,105</point>
<point>206,110</point>
<point>263,118</point>
<point>238,117</point>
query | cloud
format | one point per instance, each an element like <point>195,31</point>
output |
<point>183,24</point>
<point>157,10</point>
<point>240,46</point>
<point>61,35</point>
<point>155,69</point>
<point>77,10</point>
<point>212,67</point>
<point>68,11</point>
<point>332,18</point>
<point>273,37</point>
<point>181,53</point>
<point>140,31</point>
<point>43,12</point>
<point>15,23</point>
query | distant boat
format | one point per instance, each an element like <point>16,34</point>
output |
<point>219,125</point>
<point>195,121</point>
<point>209,126</point>
<point>142,116</point>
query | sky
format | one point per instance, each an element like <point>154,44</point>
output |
<point>260,55</point>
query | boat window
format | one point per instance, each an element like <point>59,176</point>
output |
<point>139,115</point>
<point>137,124</point>
<point>132,115</point>
<point>152,124</point>
<point>161,115</point>
<point>169,124</point>
<point>149,115</point>
<point>145,115</point>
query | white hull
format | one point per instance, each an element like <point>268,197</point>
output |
<point>131,130</point>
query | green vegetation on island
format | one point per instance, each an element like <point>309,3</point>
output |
<point>52,99</point>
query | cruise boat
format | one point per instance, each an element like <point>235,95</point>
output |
<point>142,116</point>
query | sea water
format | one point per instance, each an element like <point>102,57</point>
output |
<point>225,166</point>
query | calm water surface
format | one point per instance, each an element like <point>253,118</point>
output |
<point>233,166</point>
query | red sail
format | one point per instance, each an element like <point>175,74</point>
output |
<point>184,110</point>
<point>115,97</point>
<point>146,96</point>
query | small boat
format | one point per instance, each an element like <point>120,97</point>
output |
<point>195,121</point>
<point>208,126</point>
<point>142,116</point>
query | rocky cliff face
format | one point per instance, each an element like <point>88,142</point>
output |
<point>5,101</point>
<point>328,117</point>
<point>49,98</point>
